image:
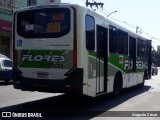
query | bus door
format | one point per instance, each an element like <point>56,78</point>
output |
<point>102,58</point>
<point>132,54</point>
<point>149,53</point>
<point>132,80</point>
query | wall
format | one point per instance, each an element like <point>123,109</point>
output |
<point>6,15</point>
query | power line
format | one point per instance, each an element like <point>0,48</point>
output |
<point>130,25</point>
<point>138,29</point>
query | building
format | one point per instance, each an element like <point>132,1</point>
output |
<point>7,8</point>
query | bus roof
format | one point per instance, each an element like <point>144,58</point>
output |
<point>88,10</point>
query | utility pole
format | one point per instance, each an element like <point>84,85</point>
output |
<point>95,4</point>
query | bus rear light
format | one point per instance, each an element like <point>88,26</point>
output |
<point>75,41</point>
<point>74,47</point>
<point>75,58</point>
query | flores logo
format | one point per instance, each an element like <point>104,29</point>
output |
<point>47,58</point>
<point>129,65</point>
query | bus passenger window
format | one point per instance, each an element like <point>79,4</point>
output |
<point>132,47</point>
<point>144,49</point>
<point>122,42</point>
<point>112,39</point>
<point>139,47</point>
<point>90,32</point>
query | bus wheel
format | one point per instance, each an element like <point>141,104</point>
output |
<point>7,81</point>
<point>117,86</point>
<point>141,85</point>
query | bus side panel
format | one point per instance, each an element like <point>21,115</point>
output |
<point>92,73</point>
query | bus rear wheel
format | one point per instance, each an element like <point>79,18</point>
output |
<point>117,86</point>
<point>141,85</point>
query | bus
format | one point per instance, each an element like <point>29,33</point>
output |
<point>68,48</point>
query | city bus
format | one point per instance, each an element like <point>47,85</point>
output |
<point>68,48</point>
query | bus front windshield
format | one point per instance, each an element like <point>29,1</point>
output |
<point>44,23</point>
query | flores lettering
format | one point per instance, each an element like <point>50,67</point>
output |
<point>47,58</point>
<point>129,65</point>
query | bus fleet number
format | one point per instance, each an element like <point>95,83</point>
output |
<point>52,65</point>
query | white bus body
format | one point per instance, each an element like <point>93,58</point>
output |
<point>65,48</point>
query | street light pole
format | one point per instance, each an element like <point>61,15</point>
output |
<point>111,13</point>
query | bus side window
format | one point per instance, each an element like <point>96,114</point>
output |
<point>139,47</point>
<point>144,49</point>
<point>112,39</point>
<point>122,42</point>
<point>101,41</point>
<point>90,32</point>
<point>132,46</point>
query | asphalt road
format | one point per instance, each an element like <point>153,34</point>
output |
<point>132,103</point>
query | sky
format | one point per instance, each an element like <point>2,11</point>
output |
<point>141,13</point>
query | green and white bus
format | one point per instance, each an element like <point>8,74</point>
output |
<point>70,48</point>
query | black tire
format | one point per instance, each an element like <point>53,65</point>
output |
<point>141,85</point>
<point>156,73</point>
<point>7,81</point>
<point>117,86</point>
<point>153,72</point>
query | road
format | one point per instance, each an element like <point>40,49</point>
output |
<point>132,102</point>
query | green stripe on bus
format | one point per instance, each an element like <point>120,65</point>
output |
<point>68,54</point>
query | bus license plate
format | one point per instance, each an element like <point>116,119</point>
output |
<point>42,75</point>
